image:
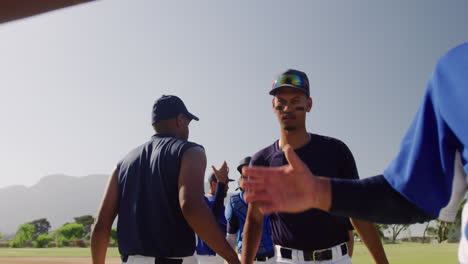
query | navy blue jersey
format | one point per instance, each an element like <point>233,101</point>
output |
<point>312,229</point>
<point>150,221</point>
<point>236,214</point>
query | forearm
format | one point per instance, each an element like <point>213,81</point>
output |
<point>99,241</point>
<point>252,235</point>
<point>218,208</point>
<point>373,200</point>
<point>202,221</point>
<point>370,237</point>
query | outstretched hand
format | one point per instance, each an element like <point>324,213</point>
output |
<point>290,188</point>
<point>221,173</point>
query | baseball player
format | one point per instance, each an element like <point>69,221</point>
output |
<point>218,181</point>
<point>157,192</point>
<point>311,236</point>
<point>236,214</point>
<point>426,180</point>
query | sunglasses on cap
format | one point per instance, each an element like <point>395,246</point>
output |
<point>290,79</point>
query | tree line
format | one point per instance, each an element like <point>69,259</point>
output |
<point>37,234</point>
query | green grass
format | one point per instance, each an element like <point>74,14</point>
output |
<point>403,253</point>
<point>411,253</point>
<point>52,252</point>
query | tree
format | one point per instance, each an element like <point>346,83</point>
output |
<point>113,236</point>
<point>71,231</point>
<point>442,230</point>
<point>1,235</point>
<point>42,241</point>
<point>87,221</point>
<point>380,229</point>
<point>395,230</point>
<point>41,226</point>
<point>425,231</point>
<point>23,235</point>
<point>68,233</point>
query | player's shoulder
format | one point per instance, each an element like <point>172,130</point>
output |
<point>327,140</point>
<point>264,154</point>
<point>134,154</point>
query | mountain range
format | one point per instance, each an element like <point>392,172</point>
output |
<point>59,198</point>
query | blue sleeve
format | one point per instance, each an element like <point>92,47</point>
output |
<point>228,213</point>
<point>423,170</point>
<point>231,218</point>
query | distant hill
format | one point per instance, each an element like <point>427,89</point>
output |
<point>58,198</point>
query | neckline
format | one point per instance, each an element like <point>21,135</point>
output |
<point>277,148</point>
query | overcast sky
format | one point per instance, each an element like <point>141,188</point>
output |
<point>77,85</point>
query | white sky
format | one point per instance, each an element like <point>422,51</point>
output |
<point>77,85</point>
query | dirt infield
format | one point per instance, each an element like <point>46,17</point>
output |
<point>54,260</point>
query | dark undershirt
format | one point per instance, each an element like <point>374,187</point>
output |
<point>373,199</point>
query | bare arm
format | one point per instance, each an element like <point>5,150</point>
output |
<point>103,224</point>
<point>252,234</point>
<point>194,208</point>
<point>350,243</point>
<point>370,236</point>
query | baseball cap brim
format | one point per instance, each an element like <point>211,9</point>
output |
<point>213,179</point>
<point>192,116</point>
<point>276,89</point>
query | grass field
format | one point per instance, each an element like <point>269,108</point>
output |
<point>404,253</point>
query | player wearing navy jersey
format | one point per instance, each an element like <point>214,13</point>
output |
<point>426,180</point>
<point>311,236</point>
<point>157,192</point>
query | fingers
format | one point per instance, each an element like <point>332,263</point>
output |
<point>292,157</point>
<point>214,169</point>
<point>262,172</point>
<point>258,197</point>
<point>268,208</point>
<point>254,185</point>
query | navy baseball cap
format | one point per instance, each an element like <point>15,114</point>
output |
<point>169,106</point>
<point>291,78</point>
<point>213,178</point>
<point>242,163</point>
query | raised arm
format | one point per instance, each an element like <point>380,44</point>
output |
<point>193,206</point>
<point>221,185</point>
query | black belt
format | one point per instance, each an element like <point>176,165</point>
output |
<point>265,257</point>
<point>314,255</point>
<point>158,260</point>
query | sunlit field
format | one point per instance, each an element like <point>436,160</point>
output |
<point>402,253</point>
